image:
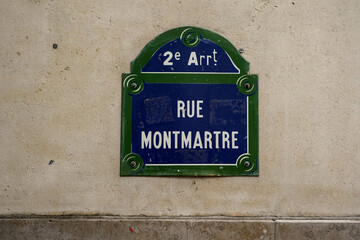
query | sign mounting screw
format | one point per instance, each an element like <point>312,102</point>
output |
<point>247,164</point>
<point>241,50</point>
<point>133,164</point>
<point>134,85</point>
<point>247,85</point>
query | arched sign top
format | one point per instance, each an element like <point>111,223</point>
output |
<point>190,50</point>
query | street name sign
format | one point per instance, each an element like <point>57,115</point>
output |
<point>189,108</point>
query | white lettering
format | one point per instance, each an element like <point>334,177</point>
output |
<point>180,108</point>
<point>216,133</point>
<point>214,52</point>
<point>199,108</point>
<point>197,141</point>
<point>208,136</point>
<point>185,141</point>
<point>189,109</point>
<point>177,56</point>
<point>145,140</point>
<point>167,61</point>
<point>207,59</point>
<point>234,139</point>
<point>157,144</point>
<point>176,134</point>
<point>193,59</point>
<point>192,108</point>
<point>225,140</point>
<point>201,57</point>
<point>167,139</point>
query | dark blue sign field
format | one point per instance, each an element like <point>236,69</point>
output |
<point>189,124</point>
<point>205,57</point>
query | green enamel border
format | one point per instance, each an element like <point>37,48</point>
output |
<point>133,84</point>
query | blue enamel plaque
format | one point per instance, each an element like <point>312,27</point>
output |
<point>189,108</point>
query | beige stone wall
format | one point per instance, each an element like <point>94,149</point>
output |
<point>64,105</point>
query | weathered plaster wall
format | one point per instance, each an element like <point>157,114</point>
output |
<point>64,105</point>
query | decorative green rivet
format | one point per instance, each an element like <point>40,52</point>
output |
<point>132,163</point>
<point>246,163</point>
<point>133,84</point>
<point>247,84</point>
<point>190,38</point>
